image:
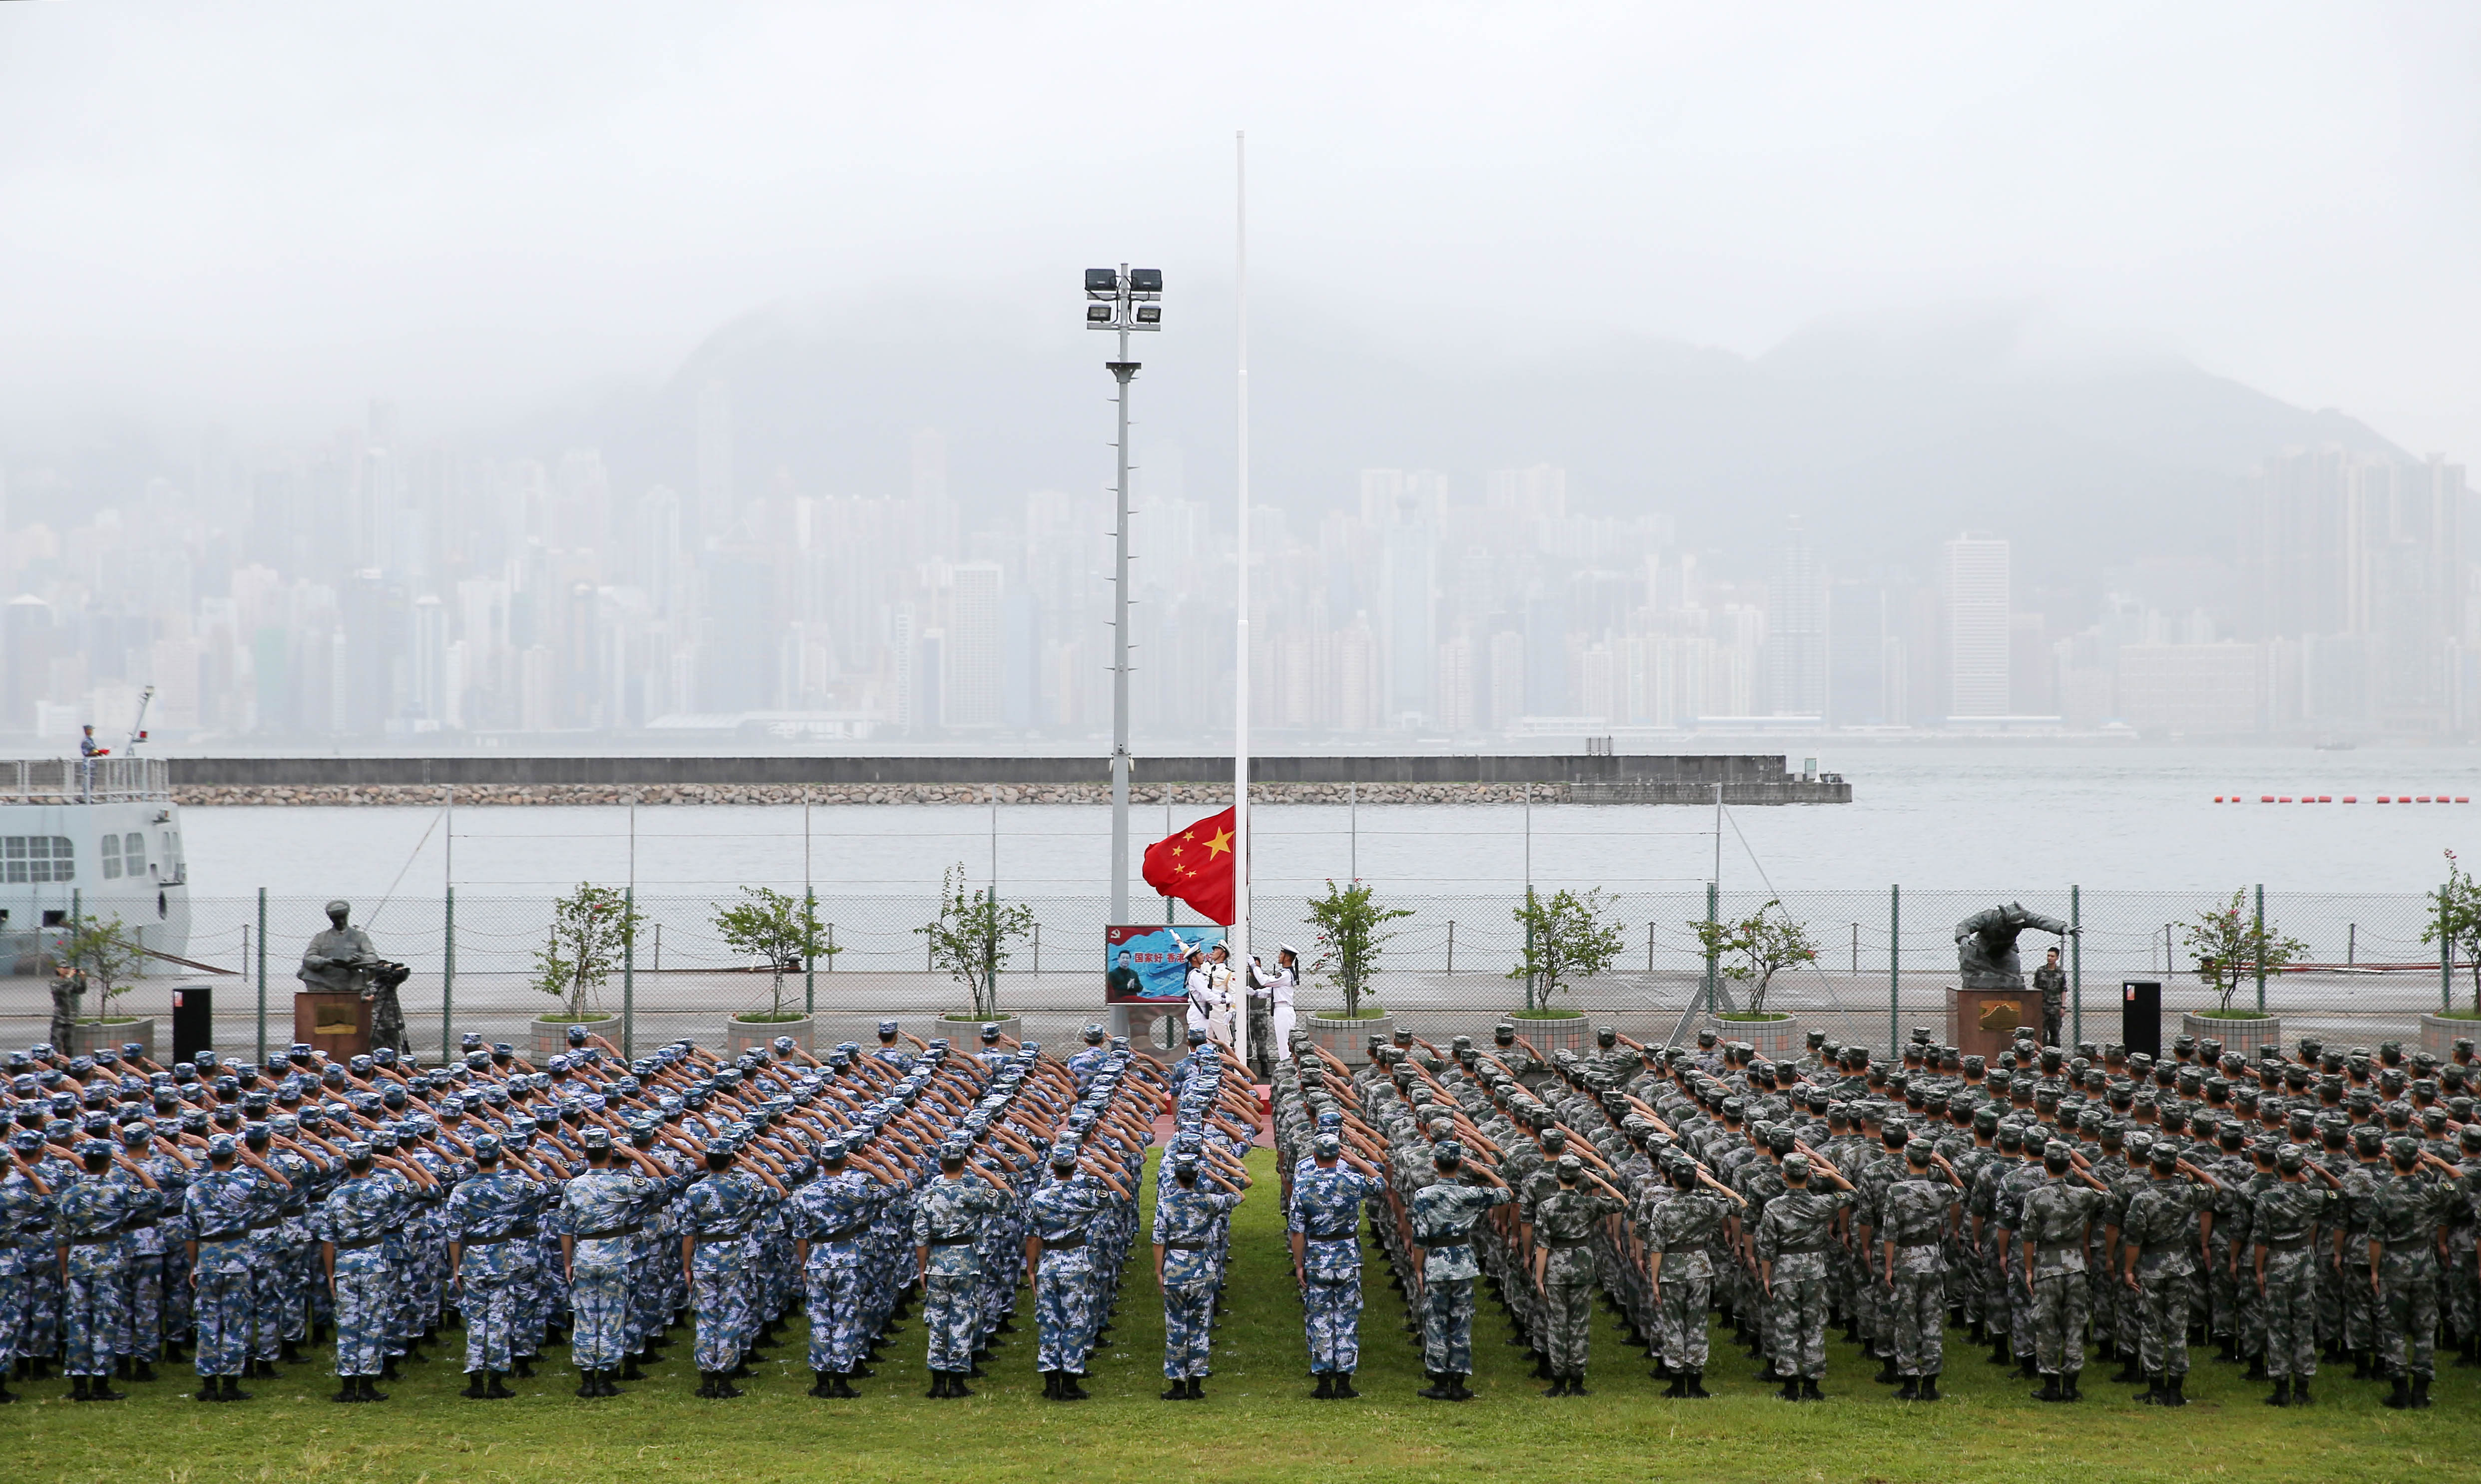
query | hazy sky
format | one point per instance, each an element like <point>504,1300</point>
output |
<point>265,213</point>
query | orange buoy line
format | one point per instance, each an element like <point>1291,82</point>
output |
<point>2348,798</point>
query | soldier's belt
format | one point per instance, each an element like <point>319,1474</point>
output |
<point>233,1236</point>
<point>94,1241</point>
<point>356,1246</point>
<point>512,1235</point>
<point>1183,1246</point>
<point>950,1241</point>
<point>2410,1244</point>
<point>841,1235</point>
<point>1800,1252</point>
<point>146,1225</point>
<point>1344,1235</point>
<point>2292,1244</point>
<point>1064,1243</point>
<point>1566,1244</point>
<point>266,1226</point>
<point>631,1229</point>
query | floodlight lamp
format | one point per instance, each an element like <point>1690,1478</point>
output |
<point>1149,316</point>
<point>1104,281</point>
<point>1145,280</point>
<point>1099,315</point>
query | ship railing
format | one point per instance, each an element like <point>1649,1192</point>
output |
<point>86,781</point>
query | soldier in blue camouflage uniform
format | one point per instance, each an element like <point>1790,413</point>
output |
<point>152,1239</point>
<point>1443,1216</point>
<point>27,1217</point>
<point>1061,1217</point>
<point>948,1217</point>
<point>354,1223</point>
<point>832,1216</point>
<point>219,1208</point>
<point>1186,1214</point>
<point>599,1212</point>
<point>91,1210</point>
<point>488,1216</point>
<point>719,1212</point>
<point>1325,1219</point>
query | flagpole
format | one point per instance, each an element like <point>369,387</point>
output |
<point>1241,645</point>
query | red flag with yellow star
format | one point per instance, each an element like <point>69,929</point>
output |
<point>1195,866</point>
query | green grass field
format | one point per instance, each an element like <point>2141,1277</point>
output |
<point>1257,1422</point>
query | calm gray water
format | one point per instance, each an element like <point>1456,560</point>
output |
<point>1924,816</point>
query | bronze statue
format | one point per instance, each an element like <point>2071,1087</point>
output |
<point>343,961</point>
<point>1985,945</point>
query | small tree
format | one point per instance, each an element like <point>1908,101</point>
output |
<point>109,954</point>
<point>970,938</point>
<point>783,930</point>
<point>1351,931</point>
<point>1566,936</point>
<point>2455,916</point>
<point>1757,947</point>
<point>2231,944</point>
<point>590,932</point>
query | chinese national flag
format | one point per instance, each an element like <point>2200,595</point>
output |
<point>1195,866</point>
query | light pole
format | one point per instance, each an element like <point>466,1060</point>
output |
<point>1120,300</point>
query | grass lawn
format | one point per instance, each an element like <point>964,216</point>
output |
<point>1257,1422</point>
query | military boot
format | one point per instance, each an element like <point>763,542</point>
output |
<point>1343,1391</point>
<point>1910,1391</point>
<point>2282,1396</point>
<point>724,1390</point>
<point>1577,1385</point>
<point>630,1369</point>
<point>1558,1387</point>
<point>232,1391</point>
<point>475,1379</point>
<point>1999,1355</point>
<point>2068,1386</point>
<point>2256,1369</point>
<point>2300,1390</point>
<point>2467,1352</point>
<point>493,1388</point>
<point>1325,1388</point>
<point>2130,1373</point>
<point>1809,1390</point>
<point>938,1385</point>
<point>1050,1384</point>
<point>348,1391</point>
<point>1930,1386</point>
<point>2419,1392</point>
<point>370,1390</point>
<point>1697,1385</point>
<point>1457,1390</point>
<point>1886,1376</point>
<point>1678,1387</point>
<point>143,1370</point>
<point>1790,1389</point>
<point>2175,1391</point>
<point>840,1387</point>
<point>1437,1390</point>
<point>2151,1396</point>
<point>586,1386</point>
<point>524,1368</point>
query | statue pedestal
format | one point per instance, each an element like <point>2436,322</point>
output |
<point>337,1024</point>
<point>1982,1022</point>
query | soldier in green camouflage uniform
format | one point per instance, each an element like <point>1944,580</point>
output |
<point>2159,1246</point>
<point>2282,1237</point>
<point>2057,1228</point>
<point>1791,1245</point>
<point>2405,1218</point>
<point>1563,1268</point>
<point>1914,1216</point>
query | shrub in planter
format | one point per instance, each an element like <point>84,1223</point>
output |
<point>782,931</point>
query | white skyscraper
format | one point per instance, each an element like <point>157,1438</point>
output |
<point>1972,579</point>
<point>970,688</point>
<point>1797,630</point>
<point>715,501</point>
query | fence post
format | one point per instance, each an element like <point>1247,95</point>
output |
<point>1648,948</point>
<point>810,961</point>
<point>1713,905</point>
<point>1895,967</point>
<point>1452,944</point>
<point>629,978</point>
<point>2261,947</point>
<point>448,979</point>
<point>2075,964</point>
<point>2446,962</point>
<point>831,947</point>
<point>262,975</point>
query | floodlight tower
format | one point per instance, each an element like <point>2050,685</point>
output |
<point>1121,300</point>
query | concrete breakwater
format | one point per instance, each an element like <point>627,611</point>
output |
<point>954,780</point>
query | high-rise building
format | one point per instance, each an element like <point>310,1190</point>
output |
<point>1858,649</point>
<point>1797,630</point>
<point>1973,585</point>
<point>716,500</point>
<point>969,690</point>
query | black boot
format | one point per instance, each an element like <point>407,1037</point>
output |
<point>1437,1390</point>
<point>288,1353</point>
<point>1343,1391</point>
<point>1069,1390</point>
<point>207,1389</point>
<point>1976,1338</point>
<point>629,1369</point>
<point>818,1386</point>
<point>493,1388</point>
<point>1678,1390</point>
<point>1051,1386</point>
<point>2028,1366</point>
<point>840,1385</point>
<point>2067,1387</point>
<point>1197,1388</point>
<point>2175,1391</point>
<point>957,1387</point>
<point>938,1385</point>
<point>474,1383</point>
<point>2153,1394</point>
<point>1930,1386</point>
<point>2467,1353</point>
<point>1697,1385</point>
<point>2363,1368</point>
<point>2300,1390</point>
<point>2401,1397</point>
<point>1177,1391</point>
<point>1910,1391</point>
<point>1542,1370</point>
<point>77,1388</point>
<point>724,1390</point>
<point>1809,1390</point>
<point>1577,1385</point>
<point>1999,1355</point>
<point>1886,1376</point>
<point>99,1389</point>
<point>1790,1389</point>
<point>232,1391</point>
<point>346,1390</point>
<point>1325,1388</point>
<point>1558,1387</point>
<point>370,1390</point>
<point>2282,1396</point>
<point>2256,1370</point>
<point>1457,1390</point>
<point>141,1370</point>
<point>586,1389</point>
<point>2130,1373</point>
<point>2419,1392</point>
<point>525,1368</point>
<point>388,1371</point>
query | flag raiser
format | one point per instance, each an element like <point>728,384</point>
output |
<point>1195,865</point>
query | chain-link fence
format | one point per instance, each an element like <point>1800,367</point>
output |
<point>1887,962</point>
